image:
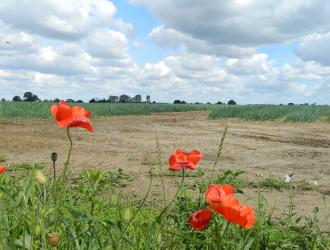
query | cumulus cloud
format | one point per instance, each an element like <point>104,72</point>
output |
<point>315,48</point>
<point>240,24</point>
<point>67,20</point>
<point>172,39</point>
<point>81,49</point>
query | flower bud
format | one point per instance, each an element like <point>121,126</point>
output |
<point>37,229</point>
<point>114,200</point>
<point>54,157</point>
<point>53,239</point>
<point>40,178</point>
<point>127,215</point>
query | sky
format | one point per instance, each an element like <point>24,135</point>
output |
<point>252,51</point>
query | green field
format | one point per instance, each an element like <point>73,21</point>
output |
<point>296,113</point>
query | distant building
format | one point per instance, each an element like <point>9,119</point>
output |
<point>113,98</point>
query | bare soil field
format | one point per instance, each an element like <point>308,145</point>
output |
<point>260,149</point>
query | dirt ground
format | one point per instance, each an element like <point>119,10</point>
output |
<point>128,142</point>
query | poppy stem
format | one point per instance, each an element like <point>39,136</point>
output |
<point>160,165</point>
<point>175,196</point>
<point>66,164</point>
<point>218,153</point>
<point>142,203</point>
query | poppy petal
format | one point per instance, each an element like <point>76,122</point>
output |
<point>195,156</point>
<point>181,160</point>
<point>201,219</point>
<point>3,168</point>
<point>67,116</point>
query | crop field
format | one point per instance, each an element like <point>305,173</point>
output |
<point>116,187</point>
<point>295,113</point>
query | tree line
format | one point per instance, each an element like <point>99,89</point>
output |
<point>30,97</point>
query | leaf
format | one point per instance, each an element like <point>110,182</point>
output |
<point>26,243</point>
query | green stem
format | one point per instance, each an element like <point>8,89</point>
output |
<point>218,153</point>
<point>90,224</point>
<point>175,196</point>
<point>66,164</point>
<point>159,155</point>
<point>142,203</point>
<point>54,192</point>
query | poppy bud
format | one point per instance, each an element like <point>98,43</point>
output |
<point>127,215</point>
<point>54,157</point>
<point>53,239</point>
<point>114,200</point>
<point>37,229</point>
<point>40,178</point>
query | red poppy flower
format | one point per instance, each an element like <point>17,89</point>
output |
<point>216,193</point>
<point>3,168</point>
<point>232,211</point>
<point>201,219</point>
<point>180,160</point>
<point>67,116</point>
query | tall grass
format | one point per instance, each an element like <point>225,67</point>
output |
<point>295,113</point>
<point>41,110</point>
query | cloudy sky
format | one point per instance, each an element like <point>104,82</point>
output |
<point>253,51</point>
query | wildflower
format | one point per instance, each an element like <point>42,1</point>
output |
<point>216,193</point>
<point>40,177</point>
<point>201,219</point>
<point>3,168</point>
<point>53,239</point>
<point>231,209</point>
<point>67,116</point>
<point>180,160</point>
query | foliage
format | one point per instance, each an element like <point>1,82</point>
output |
<point>295,113</point>
<point>27,215</point>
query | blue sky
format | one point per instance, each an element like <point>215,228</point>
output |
<point>252,51</point>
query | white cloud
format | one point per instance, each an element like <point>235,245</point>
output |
<point>80,49</point>
<point>315,48</point>
<point>64,20</point>
<point>214,27</point>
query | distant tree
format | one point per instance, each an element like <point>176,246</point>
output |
<point>92,100</point>
<point>56,100</point>
<point>70,100</point>
<point>148,99</point>
<point>3,100</point>
<point>137,98</point>
<point>125,99</point>
<point>231,102</point>
<point>290,103</point>
<point>220,103</point>
<point>45,100</point>
<point>208,103</point>
<point>30,97</point>
<point>113,98</point>
<point>154,102</point>
<point>79,101</point>
<point>179,102</point>
<point>16,98</point>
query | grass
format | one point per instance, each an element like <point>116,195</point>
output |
<point>27,216</point>
<point>9,110</point>
<point>294,113</point>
